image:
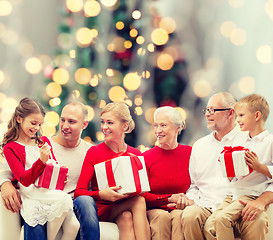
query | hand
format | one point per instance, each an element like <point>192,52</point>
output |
<point>174,197</point>
<point>110,194</point>
<point>252,160</point>
<point>252,209</point>
<point>182,203</point>
<point>45,152</point>
<point>11,197</point>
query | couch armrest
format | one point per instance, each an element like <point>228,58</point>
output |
<point>8,219</point>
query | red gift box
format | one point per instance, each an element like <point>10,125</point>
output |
<point>233,161</point>
<point>52,177</point>
<point>129,172</point>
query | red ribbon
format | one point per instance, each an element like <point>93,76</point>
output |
<point>136,166</point>
<point>229,160</point>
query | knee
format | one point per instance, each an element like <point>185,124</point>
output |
<point>162,216</point>
<point>139,204</point>
<point>125,220</point>
<point>85,206</point>
<point>190,215</point>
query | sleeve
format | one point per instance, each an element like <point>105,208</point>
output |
<point>5,172</point>
<point>87,173</point>
<point>192,192</point>
<point>26,177</point>
<point>156,200</point>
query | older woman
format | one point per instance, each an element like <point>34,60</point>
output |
<point>167,166</point>
<point>112,206</point>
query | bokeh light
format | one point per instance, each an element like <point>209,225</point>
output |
<point>84,37</point>
<point>10,37</point>
<point>53,89</point>
<point>247,85</point>
<point>136,14</point>
<point>82,76</point>
<point>238,37</point>
<point>182,112</point>
<point>53,102</point>
<point>132,81</point>
<point>100,136</point>
<point>202,88</point>
<point>33,65</point>
<point>60,76</point>
<point>48,130</point>
<point>133,32</point>
<point>9,105</point>
<point>52,118</point>
<point>119,25</point>
<point>74,5</point>
<point>159,36</point>
<point>149,115</point>
<point>117,93</point>
<point>236,3</point>
<point>5,8</point>
<point>138,111</point>
<point>108,3</point>
<point>168,24</point>
<point>91,113</point>
<point>165,61</point>
<point>92,8</point>
<point>264,54</point>
<point>227,28</point>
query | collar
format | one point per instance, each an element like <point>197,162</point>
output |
<point>259,137</point>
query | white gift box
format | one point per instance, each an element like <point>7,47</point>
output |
<point>233,162</point>
<point>129,172</point>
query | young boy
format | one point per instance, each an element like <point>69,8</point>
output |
<point>252,112</point>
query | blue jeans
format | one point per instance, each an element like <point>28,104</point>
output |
<point>85,210</point>
<point>33,233</point>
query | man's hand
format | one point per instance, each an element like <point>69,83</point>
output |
<point>182,202</point>
<point>252,209</point>
<point>10,196</point>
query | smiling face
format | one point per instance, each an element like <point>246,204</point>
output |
<point>219,120</point>
<point>112,127</point>
<point>245,118</point>
<point>72,123</point>
<point>30,125</point>
<point>166,131</point>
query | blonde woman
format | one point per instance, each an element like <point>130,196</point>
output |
<point>116,121</point>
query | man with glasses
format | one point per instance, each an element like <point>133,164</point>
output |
<point>208,185</point>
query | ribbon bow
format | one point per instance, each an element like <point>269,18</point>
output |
<point>136,166</point>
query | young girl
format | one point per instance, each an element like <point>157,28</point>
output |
<point>27,154</point>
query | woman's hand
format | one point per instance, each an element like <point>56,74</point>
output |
<point>45,152</point>
<point>182,201</point>
<point>174,197</point>
<point>110,194</point>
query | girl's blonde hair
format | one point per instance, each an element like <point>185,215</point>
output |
<point>121,110</point>
<point>26,107</point>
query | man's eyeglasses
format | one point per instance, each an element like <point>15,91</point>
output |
<point>211,111</point>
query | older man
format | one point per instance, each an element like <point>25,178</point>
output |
<point>70,151</point>
<point>208,185</point>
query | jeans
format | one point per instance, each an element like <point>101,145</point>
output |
<point>34,233</point>
<point>85,210</point>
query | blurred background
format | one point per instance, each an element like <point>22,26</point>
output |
<point>146,53</point>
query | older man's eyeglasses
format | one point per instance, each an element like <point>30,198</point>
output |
<point>211,111</point>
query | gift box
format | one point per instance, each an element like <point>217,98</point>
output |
<point>129,172</point>
<point>53,176</point>
<point>233,162</point>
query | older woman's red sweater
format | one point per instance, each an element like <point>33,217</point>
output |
<point>168,172</point>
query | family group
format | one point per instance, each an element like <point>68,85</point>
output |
<point>190,197</point>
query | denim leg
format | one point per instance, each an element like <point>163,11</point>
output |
<point>34,233</point>
<point>85,210</point>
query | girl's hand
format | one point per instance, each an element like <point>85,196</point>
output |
<point>252,160</point>
<point>45,152</point>
<point>110,194</point>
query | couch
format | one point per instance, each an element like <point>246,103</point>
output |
<point>10,227</point>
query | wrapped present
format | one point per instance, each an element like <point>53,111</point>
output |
<point>129,172</point>
<point>53,176</point>
<point>233,161</point>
